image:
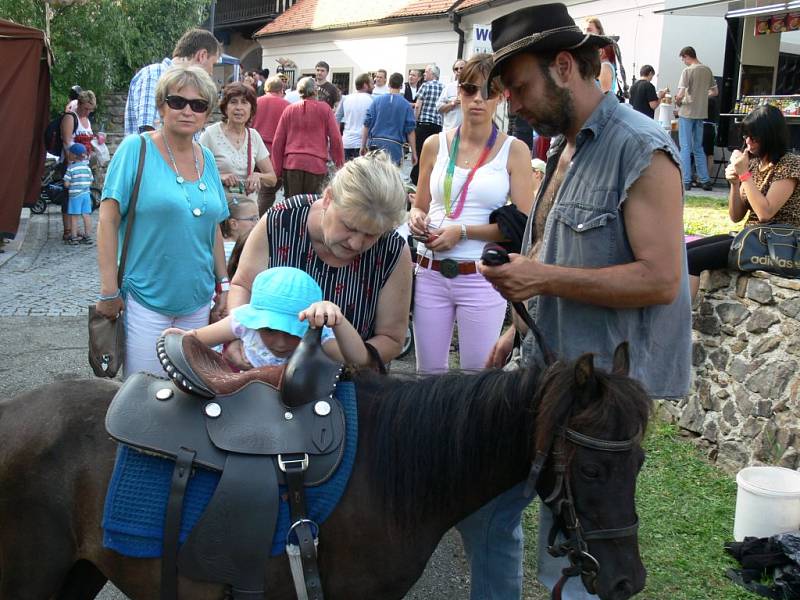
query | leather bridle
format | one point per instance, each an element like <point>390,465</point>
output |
<point>561,500</point>
<point>562,503</point>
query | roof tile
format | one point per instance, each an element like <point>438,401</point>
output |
<point>316,15</point>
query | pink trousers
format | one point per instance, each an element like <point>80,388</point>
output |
<point>470,301</point>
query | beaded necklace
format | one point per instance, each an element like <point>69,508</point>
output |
<point>451,167</point>
<point>197,212</point>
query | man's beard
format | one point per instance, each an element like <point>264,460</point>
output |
<point>554,113</point>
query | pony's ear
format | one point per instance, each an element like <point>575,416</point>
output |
<point>584,370</point>
<point>622,360</point>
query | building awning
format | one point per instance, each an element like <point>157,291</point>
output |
<point>731,8</point>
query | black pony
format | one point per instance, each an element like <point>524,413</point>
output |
<point>430,452</point>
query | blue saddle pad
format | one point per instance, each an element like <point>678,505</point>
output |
<point>136,502</point>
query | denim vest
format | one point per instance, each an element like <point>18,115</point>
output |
<point>586,228</point>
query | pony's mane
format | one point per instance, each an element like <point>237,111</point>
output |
<point>432,435</point>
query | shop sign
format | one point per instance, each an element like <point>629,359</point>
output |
<point>777,23</point>
<point>481,39</point>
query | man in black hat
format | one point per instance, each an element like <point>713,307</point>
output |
<point>603,260</point>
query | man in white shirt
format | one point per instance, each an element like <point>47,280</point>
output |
<point>351,112</point>
<point>448,103</point>
<point>380,83</point>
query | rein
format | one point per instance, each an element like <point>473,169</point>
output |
<point>562,503</point>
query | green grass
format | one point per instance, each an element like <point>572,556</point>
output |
<point>704,215</point>
<point>686,508</point>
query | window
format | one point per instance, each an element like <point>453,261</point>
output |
<point>341,79</point>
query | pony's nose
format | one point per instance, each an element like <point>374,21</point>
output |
<point>622,589</point>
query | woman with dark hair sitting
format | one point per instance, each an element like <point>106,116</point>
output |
<point>763,180</point>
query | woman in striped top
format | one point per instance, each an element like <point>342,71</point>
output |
<point>345,240</point>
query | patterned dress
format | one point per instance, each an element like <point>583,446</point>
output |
<point>788,167</point>
<point>354,288</point>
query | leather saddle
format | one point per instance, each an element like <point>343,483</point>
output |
<point>259,429</point>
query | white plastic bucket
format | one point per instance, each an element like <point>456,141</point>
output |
<point>767,502</point>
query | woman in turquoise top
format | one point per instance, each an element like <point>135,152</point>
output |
<point>175,252</point>
<point>607,78</point>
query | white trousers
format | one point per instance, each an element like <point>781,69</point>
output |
<point>142,328</point>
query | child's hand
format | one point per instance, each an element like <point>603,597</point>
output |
<point>319,311</point>
<point>172,330</point>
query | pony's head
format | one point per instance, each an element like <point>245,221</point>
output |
<point>590,424</point>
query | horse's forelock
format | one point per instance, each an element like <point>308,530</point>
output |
<point>621,411</point>
<point>618,406</point>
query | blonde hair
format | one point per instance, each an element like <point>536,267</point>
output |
<point>87,97</point>
<point>238,204</point>
<point>274,84</point>
<point>370,187</point>
<point>597,24</point>
<point>181,76</point>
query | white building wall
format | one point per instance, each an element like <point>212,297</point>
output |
<point>644,38</point>
<point>359,50</point>
<point>639,30</point>
<point>706,35</point>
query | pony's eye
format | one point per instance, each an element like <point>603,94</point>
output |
<point>590,471</point>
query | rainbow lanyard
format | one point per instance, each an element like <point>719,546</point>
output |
<point>451,167</point>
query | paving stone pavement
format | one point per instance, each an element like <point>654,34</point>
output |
<point>47,277</point>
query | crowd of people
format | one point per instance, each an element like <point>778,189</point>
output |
<point>212,254</point>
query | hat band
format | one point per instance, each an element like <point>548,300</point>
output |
<point>532,39</point>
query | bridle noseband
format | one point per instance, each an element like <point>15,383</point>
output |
<point>562,503</point>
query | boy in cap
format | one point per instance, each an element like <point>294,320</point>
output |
<point>78,179</point>
<point>284,302</point>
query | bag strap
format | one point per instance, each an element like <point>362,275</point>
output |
<point>131,213</point>
<point>250,166</point>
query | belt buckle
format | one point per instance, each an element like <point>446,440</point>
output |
<point>448,268</point>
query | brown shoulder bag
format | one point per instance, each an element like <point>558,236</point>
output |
<point>107,336</point>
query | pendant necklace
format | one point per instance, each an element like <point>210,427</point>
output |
<point>181,181</point>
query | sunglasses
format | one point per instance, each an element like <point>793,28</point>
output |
<point>470,89</point>
<point>253,219</point>
<point>197,105</point>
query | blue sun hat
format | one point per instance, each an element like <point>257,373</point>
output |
<point>77,149</point>
<point>278,295</point>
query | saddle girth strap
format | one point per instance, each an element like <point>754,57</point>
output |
<point>302,527</point>
<point>224,548</point>
<point>172,523</point>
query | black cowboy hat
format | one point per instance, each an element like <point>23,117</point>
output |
<point>543,28</point>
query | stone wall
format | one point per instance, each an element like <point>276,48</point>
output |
<point>744,406</point>
<point>114,110</point>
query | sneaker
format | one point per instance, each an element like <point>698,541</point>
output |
<point>73,241</point>
<point>84,239</point>
<point>687,187</point>
<point>708,186</point>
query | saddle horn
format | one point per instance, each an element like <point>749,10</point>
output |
<point>310,375</point>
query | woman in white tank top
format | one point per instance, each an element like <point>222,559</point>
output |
<point>465,174</point>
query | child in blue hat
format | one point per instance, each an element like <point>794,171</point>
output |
<point>78,180</point>
<point>284,301</point>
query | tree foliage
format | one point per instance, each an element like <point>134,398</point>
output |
<point>100,44</point>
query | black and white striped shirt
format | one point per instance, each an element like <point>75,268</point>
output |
<point>355,288</point>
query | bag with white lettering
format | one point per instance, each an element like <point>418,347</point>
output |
<point>772,247</point>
